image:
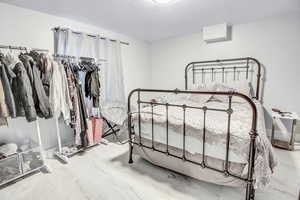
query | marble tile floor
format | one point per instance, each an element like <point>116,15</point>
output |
<point>103,174</point>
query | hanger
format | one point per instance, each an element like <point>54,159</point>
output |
<point>10,49</point>
<point>10,55</point>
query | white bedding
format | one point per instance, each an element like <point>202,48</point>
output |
<point>193,145</point>
<point>216,126</point>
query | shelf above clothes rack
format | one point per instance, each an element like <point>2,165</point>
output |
<point>90,35</point>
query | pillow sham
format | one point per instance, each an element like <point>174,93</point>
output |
<point>200,98</point>
<point>235,86</point>
<point>170,98</point>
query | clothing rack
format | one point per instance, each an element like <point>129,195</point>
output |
<point>61,56</point>
<point>40,145</point>
<point>90,35</point>
<point>65,156</point>
<point>22,48</point>
<point>112,129</point>
<point>23,173</point>
<point>60,154</point>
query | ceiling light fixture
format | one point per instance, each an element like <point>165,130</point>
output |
<point>162,1</point>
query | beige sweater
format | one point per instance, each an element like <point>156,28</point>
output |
<point>3,108</point>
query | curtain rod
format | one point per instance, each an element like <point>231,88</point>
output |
<point>22,48</point>
<point>90,35</point>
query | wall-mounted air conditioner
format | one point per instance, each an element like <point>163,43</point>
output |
<point>216,33</point>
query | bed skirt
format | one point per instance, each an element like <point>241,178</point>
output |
<point>193,170</point>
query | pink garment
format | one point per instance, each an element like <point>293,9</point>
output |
<point>97,129</point>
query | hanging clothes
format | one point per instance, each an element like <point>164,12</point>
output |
<point>3,108</point>
<point>91,109</point>
<point>83,112</point>
<point>92,87</point>
<point>44,64</point>
<point>83,81</point>
<point>94,132</point>
<point>40,98</point>
<point>75,111</point>
<point>90,134</point>
<point>59,92</point>
<point>6,77</point>
<point>22,91</point>
<point>37,57</point>
<point>22,87</point>
<point>78,114</point>
<point>97,124</point>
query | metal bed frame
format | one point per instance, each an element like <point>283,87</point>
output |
<point>223,67</point>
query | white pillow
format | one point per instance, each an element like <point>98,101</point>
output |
<point>200,98</point>
<point>235,86</point>
<point>170,98</point>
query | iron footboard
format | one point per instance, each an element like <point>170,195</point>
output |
<point>250,192</point>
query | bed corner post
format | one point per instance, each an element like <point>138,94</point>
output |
<point>130,161</point>
<point>186,76</point>
<point>250,191</point>
<point>130,138</point>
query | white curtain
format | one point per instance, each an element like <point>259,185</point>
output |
<point>60,42</point>
<point>113,102</point>
<point>89,46</point>
<point>73,43</point>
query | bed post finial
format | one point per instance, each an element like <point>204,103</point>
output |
<point>130,159</point>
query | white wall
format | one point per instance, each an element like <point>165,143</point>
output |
<point>23,27</point>
<point>274,42</point>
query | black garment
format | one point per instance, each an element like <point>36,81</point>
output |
<point>37,58</point>
<point>7,75</point>
<point>82,109</point>
<point>43,67</point>
<point>40,98</point>
<point>22,91</point>
<point>92,87</point>
<point>83,118</point>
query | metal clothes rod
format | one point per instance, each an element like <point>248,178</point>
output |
<point>22,48</point>
<point>61,56</point>
<point>90,35</point>
<point>64,56</point>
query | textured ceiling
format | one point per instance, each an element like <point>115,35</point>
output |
<point>143,19</point>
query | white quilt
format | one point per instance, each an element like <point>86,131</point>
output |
<point>193,145</point>
<point>216,126</point>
